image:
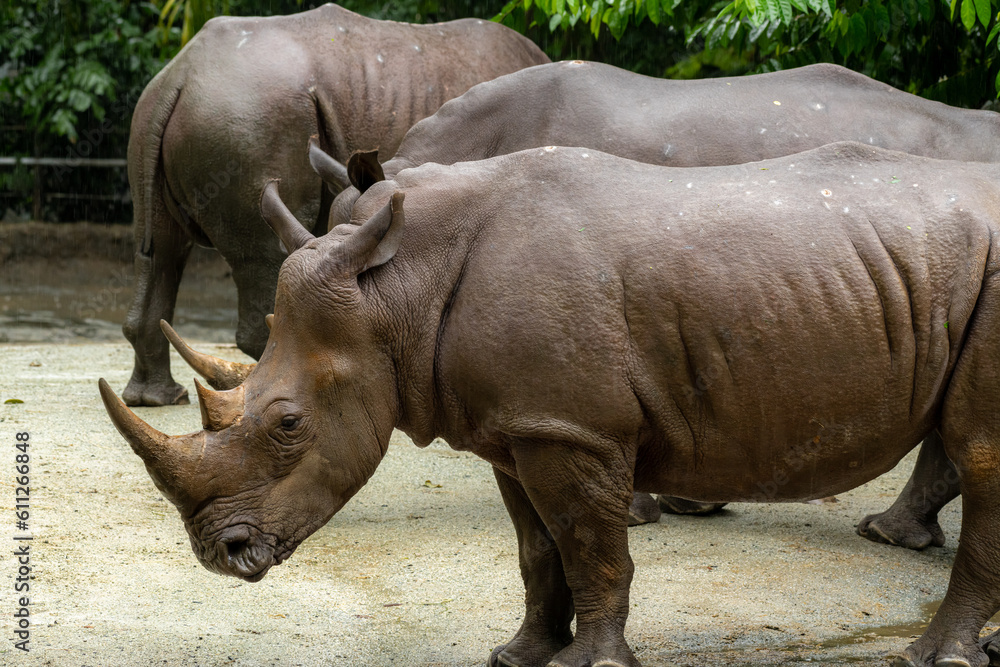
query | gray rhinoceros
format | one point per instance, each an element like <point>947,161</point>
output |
<point>693,124</point>
<point>236,108</point>
<point>551,310</point>
<point>700,123</point>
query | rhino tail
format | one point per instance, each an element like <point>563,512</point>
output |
<point>145,163</point>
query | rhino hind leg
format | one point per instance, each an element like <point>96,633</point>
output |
<point>912,521</point>
<point>158,270</point>
<point>548,601</point>
<point>683,506</point>
<point>585,517</point>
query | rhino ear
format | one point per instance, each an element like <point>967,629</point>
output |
<point>373,243</point>
<point>364,169</point>
<point>291,232</point>
<point>332,172</point>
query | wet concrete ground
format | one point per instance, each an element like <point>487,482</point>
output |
<point>419,569</point>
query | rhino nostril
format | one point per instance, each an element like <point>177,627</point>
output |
<point>237,548</point>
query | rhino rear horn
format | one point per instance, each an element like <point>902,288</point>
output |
<point>219,409</point>
<point>364,169</point>
<point>332,172</point>
<point>373,243</point>
<point>291,232</point>
<point>219,373</point>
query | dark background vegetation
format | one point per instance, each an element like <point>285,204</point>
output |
<point>71,72</point>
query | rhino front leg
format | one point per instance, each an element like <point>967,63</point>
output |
<point>952,638</point>
<point>159,264</point>
<point>582,494</point>
<point>548,601</point>
<point>912,521</point>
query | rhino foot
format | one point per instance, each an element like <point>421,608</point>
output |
<point>902,530</point>
<point>991,644</point>
<point>674,505</point>
<point>611,654</point>
<point>643,510</point>
<point>151,394</point>
<point>924,653</point>
<point>518,653</point>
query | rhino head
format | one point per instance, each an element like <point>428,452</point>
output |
<point>281,453</point>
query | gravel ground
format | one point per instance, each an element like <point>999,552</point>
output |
<point>420,568</point>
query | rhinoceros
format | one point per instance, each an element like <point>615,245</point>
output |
<point>701,123</point>
<point>552,310</point>
<point>236,108</point>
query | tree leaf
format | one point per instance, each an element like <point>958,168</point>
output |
<point>785,7</point>
<point>653,11</point>
<point>983,12</point>
<point>993,34</point>
<point>968,14</point>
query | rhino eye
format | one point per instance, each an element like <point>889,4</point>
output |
<point>289,422</point>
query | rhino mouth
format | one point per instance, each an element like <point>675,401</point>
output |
<point>242,551</point>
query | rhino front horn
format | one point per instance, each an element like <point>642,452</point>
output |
<point>291,232</point>
<point>219,373</point>
<point>151,445</point>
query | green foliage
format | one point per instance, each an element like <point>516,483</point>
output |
<point>62,61</point>
<point>943,50</point>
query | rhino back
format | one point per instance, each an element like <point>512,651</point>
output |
<point>693,123</point>
<point>734,322</point>
<point>252,91</point>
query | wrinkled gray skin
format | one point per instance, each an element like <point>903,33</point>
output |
<point>552,312</point>
<point>236,108</point>
<point>704,123</point>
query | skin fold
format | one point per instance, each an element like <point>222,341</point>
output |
<point>552,310</point>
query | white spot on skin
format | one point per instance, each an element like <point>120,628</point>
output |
<point>479,22</point>
<point>763,130</point>
<point>818,107</point>
<point>312,89</point>
<point>826,193</point>
<point>777,202</point>
<point>827,205</point>
<point>416,47</point>
<point>549,148</point>
<point>586,155</point>
<point>341,28</point>
<point>777,103</point>
<point>242,42</point>
<point>380,58</point>
<point>573,63</point>
<point>690,185</point>
<point>847,210</point>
